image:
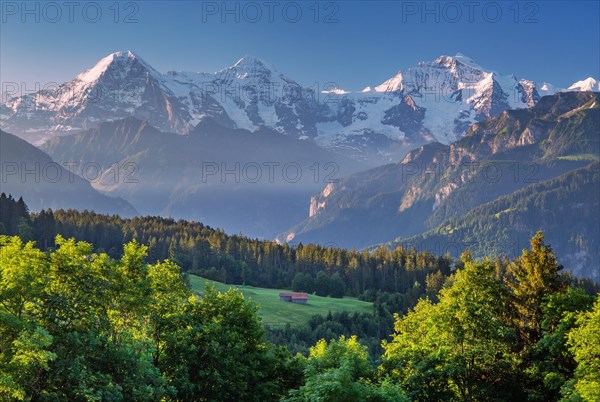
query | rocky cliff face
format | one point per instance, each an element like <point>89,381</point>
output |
<point>437,182</point>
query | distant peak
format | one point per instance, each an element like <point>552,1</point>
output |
<point>396,83</point>
<point>122,56</point>
<point>547,86</point>
<point>129,55</point>
<point>460,58</point>
<point>588,84</point>
<point>252,62</point>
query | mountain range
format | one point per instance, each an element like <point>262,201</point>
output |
<point>433,101</point>
<point>445,156</point>
<point>477,190</point>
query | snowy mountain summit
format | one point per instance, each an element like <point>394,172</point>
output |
<point>433,101</point>
<point>589,84</point>
<point>440,99</point>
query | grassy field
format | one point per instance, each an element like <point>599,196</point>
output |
<point>275,312</point>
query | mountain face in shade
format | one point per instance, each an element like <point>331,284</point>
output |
<point>258,183</point>
<point>437,183</point>
<point>30,173</point>
<point>434,101</point>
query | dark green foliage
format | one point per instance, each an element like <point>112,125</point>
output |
<point>549,365</point>
<point>234,259</point>
<point>303,283</point>
<point>584,344</point>
<point>11,214</point>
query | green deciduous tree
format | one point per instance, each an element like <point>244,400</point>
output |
<point>340,371</point>
<point>584,343</point>
<point>461,348</point>
<point>549,365</point>
<point>80,326</point>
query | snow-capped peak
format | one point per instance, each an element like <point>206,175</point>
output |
<point>252,64</point>
<point>589,84</point>
<point>434,100</point>
<point>448,61</point>
<point>95,72</point>
<point>547,88</point>
<point>126,57</point>
<point>459,66</point>
<point>393,84</point>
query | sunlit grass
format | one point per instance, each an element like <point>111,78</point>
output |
<point>276,313</point>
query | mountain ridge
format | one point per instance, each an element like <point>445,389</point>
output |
<point>503,226</point>
<point>434,101</point>
<point>438,182</point>
<point>47,184</point>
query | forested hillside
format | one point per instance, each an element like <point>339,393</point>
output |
<point>566,207</point>
<point>393,281</point>
<point>234,259</point>
<point>496,161</point>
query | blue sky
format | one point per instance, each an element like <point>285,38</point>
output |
<point>361,43</point>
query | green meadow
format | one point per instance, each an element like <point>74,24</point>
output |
<point>276,313</point>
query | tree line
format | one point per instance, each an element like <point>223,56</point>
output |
<point>232,259</point>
